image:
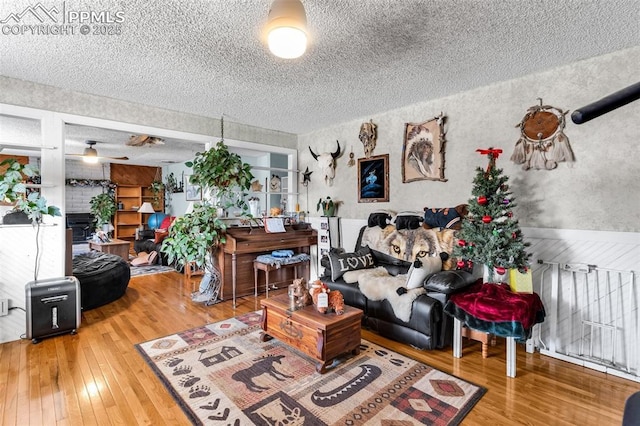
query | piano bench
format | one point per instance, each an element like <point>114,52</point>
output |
<point>267,267</point>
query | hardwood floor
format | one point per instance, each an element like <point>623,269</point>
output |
<point>98,378</point>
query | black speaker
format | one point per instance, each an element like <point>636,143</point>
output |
<point>53,307</point>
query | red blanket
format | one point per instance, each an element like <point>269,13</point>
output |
<point>493,308</point>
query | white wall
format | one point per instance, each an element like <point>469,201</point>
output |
<point>600,192</point>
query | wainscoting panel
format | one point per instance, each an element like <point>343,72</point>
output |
<point>21,258</point>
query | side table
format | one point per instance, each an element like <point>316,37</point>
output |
<point>493,308</point>
<point>115,246</point>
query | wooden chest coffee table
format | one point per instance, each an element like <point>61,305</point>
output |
<point>320,336</point>
<point>117,247</point>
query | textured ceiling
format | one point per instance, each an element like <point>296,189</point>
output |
<point>365,57</point>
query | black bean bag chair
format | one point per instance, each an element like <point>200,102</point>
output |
<point>103,278</point>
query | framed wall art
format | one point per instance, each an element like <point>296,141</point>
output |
<point>373,179</point>
<point>192,192</point>
<point>423,150</point>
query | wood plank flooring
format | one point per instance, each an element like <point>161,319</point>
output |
<point>98,378</point>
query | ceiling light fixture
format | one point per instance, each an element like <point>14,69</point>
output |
<point>286,29</point>
<point>90,155</point>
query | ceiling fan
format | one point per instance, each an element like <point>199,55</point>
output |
<point>142,140</point>
<point>90,155</point>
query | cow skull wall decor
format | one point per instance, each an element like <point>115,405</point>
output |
<point>368,136</point>
<point>327,164</point>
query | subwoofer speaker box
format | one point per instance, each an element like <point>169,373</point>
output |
<point>53,307</point>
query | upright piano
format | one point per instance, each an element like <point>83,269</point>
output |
<point>244,244</point>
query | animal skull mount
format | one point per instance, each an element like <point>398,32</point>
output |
<point>327,164</point>
<point>368,136</point>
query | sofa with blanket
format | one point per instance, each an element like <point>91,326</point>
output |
<point>400,275</point>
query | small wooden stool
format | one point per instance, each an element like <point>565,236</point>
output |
<point>480,336</point>
<point>266,267</point>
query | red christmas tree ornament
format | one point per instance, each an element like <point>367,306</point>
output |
<point>462,243</point>
<point>487,219</point>
<point>514,235</point>
<point>500,270</point>
<point>510,214</point>
<point>469,264</point>
<point>460,264</point>
<point>482,200</point>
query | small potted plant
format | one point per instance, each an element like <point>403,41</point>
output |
<point>329,207</point>
<point>14,189</point>
<point>103,207</point>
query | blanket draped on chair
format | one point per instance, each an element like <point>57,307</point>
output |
<point>377,285</point>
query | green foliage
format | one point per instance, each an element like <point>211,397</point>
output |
<point>222,171</point>
<point>195,236</point>
<point>192,236</point>
<point>498,243</point>
<point>14,190</point>
<point>328,206</point>
<point>103,207</point>
<point>156,188</point>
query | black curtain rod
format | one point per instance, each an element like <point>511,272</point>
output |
<point>606,104</point>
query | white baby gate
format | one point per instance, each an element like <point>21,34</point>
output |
<point>592,317</point>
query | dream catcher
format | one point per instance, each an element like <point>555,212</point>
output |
<point>542,143</point>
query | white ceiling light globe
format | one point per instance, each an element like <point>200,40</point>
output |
<point>287,42</point>
<point>286,29</point>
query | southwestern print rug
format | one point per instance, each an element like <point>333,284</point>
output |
<point>222,374</point>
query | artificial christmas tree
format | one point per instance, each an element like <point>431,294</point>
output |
<point>490,235</point>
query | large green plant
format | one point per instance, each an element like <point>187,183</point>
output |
<point>13,189</point>
<point>223,173</point>
<point>196,236</point>
<point>103,207</point>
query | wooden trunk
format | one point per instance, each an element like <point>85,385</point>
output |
<point>323,337</point>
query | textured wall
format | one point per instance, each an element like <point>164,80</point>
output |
<point>34,95</point>
<point>603,179</point>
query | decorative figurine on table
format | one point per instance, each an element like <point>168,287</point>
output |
<point>301,293</point>
<point>326,300</point>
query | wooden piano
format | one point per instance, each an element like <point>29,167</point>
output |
<point>244,244</point>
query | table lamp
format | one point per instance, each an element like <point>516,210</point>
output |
<point>155,219</point>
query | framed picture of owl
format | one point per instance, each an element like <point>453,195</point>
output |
<point>423,150</point>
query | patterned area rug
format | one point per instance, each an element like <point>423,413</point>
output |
<point>149,270</point>
<point>222,374</point>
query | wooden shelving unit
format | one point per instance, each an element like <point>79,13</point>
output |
<point>127,219</point>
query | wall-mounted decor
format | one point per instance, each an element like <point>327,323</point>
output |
<point>373,179</point>
<point>542,143</point>
<point>368,136</point>
<point>192,192</point>
<point>423,150</point>
<point>275,183</point>
<point>327,163</point>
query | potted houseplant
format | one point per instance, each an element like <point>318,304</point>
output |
<point>103,207</point>
<point>196,237</point>
<point>13,189</point>
<point>329,207</point>
<point>156,188</point>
